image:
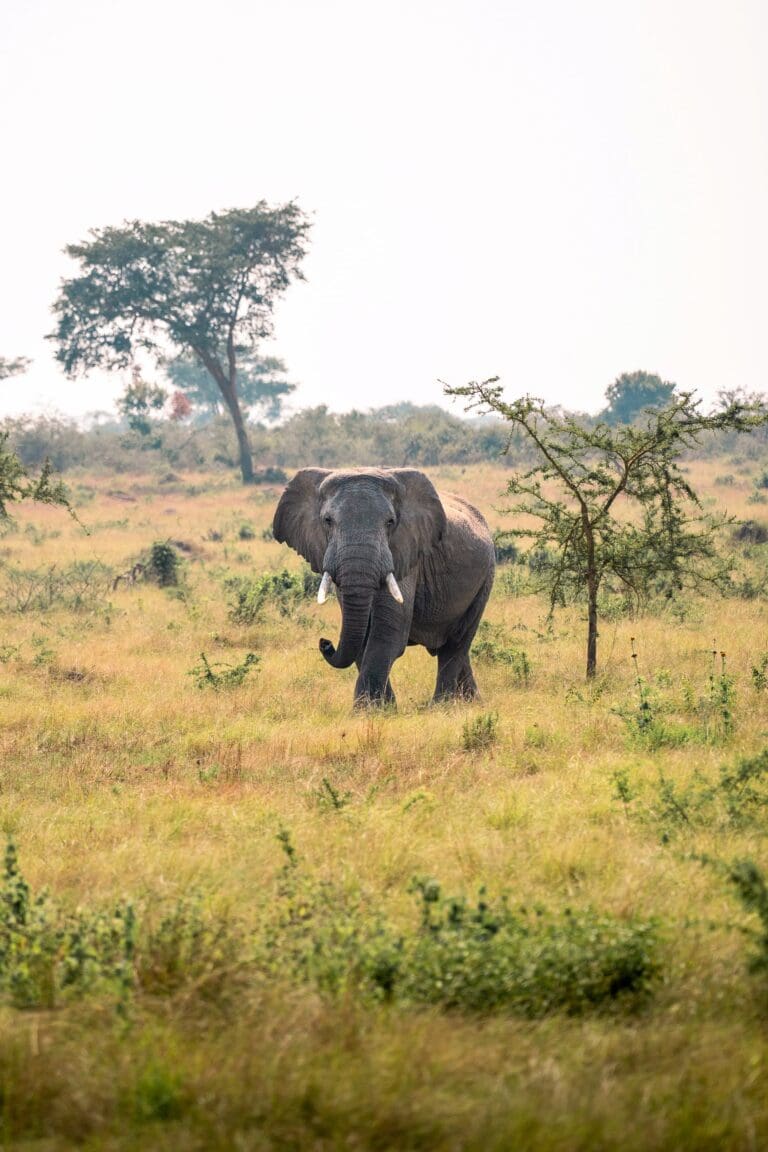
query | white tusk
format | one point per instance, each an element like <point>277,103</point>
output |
<point>325,587</point>
<point>393,588</point>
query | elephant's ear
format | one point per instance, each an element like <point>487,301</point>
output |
<point>421,519</point>
<point>297,519</point>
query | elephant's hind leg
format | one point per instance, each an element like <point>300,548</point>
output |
<point>455,679</point>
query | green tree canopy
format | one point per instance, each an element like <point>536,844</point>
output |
<point>201,288</point>
<point>611,505</point>
<point>261,384</point>
<point>15,367</point>
<point>633,392</point>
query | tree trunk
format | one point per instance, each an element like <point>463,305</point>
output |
<point>592,629</point>
<point>244,447</point>
<point>226,385</point>
<point>593,583</point>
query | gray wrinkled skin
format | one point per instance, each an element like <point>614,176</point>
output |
<point>359,526</point>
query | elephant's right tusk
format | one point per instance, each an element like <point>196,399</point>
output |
<point>325,587</point>
<point>393,588</point>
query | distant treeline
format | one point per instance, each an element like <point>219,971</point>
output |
<point>394,436</point>
<point>398,435</point>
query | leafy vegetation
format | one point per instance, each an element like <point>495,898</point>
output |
<point>16,484</point>
<point>736,797</point>
<point>261,385</point>
<point>406,434</point>
<point>752,889</point>
<point>492,646</point>
<point>286,591</point>
<point>50,954</point>
<point>483,957</point>
<point>222,675</point>
<point>480,732</point>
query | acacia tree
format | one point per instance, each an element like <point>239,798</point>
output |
<point>611,506</point>
<point>204,288</point>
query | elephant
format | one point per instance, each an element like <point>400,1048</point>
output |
<point>410,567</point>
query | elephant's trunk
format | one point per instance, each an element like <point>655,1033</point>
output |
<point>355,614</point>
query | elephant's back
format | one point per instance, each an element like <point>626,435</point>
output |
<point>467,525</point>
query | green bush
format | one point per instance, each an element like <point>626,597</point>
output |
<point>475,958</point>
<point>164,564</point>
<point>184,945</point>
<point>287,591</point>
<point>317,932</point>
<point>487,958</point>
<point>480,957</point>
<point>49,953</point>
<point>712,711</point>
<point>759,673</point>
<point>46,952</point>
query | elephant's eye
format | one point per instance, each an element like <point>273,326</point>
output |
<point>328,521</point>
<point>391,522</point>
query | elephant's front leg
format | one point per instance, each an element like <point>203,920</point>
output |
<point>387,635</point>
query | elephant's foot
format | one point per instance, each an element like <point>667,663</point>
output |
<point>368,695</point>
<point>455,680</point>
<point>366,703</point>
<point>457,694</point>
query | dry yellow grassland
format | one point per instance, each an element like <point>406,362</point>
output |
<point>119,777</point>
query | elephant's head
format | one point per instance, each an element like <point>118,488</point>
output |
<point>364,530</point>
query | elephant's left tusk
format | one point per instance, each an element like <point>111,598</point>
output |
<point>393,588</point>
<point>325,587</point>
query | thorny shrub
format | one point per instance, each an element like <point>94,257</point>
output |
<point>79,587</point>
<point>222,675</point>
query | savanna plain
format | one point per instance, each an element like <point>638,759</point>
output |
<point>238,915</point>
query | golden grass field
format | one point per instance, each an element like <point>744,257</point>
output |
<point>119,777</point>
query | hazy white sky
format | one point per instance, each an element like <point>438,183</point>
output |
<point>554,191</point>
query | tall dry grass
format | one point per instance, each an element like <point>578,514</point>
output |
<point>119,777</point>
